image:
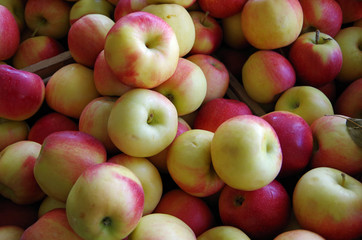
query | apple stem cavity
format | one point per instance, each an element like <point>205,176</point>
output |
<point>204,18</point>
<point>107,221</point>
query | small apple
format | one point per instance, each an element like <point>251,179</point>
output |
<point>48,204</point>
<point>218,8</point>
<point>349,102</point>
<point>12,131</point>
<point>299,234</point>
<point>223,233</point>
<point>17,8</point>
<point>233,35</point>
<point>10,34</point>
<point>84,7</point>
<point>11,232</point>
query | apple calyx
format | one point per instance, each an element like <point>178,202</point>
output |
<point>238,201</point>
<point>150,118</point>
<point>106,221</point>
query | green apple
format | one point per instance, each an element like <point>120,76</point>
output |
<point>12,131</point>
<point>48,204</point>
<point>223,233</point>
<point>83,7</point>
<point>11,232</point>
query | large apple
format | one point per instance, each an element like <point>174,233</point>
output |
<point>223,233</point>
<point>21,93</point>
<point>142,122</point>
<point>12,131</point>
<point>142,50</point>
<point>86,37</point>
<point>218,8</point>
<point>349,102</point>
<point>186,88</point>
<point>308,102</point>
<point>16,172</point>
<point>266,74</point>
<point>246,152</point>
<point>261,214</point>
<point>271,24</point>
<point>63,157</point>
<point>17,8</point>
<point>316,58</point>
<point>106,202</point>
<point>190,165</point>
<point>233,35</point>
<point>48,17</point>
<point>328,202</point>
<point>10,34</point>
<point>84,7</point>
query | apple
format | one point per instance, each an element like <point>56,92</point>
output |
<point>233,35</point>
<point>298,234</point>
<point>10,34</point>
<point>358,23</point>
<point>36,49</point>
<point>271,24</point>
<point>48,17</point>
<point>246,152</point>
<point>21,93</point>
<point>216,73</point>
<point>84,7</point>
<point>216,111</point>
<point>324,15</point>
<point>316,58</point>
<point>53,225</point>
<point>161,226</point>
<point>63,157</point>
<point>192,210</point>
<point>149,42</point>
<point>349,102</point>
<point>70,89</point>
<point>330,90</point>
<point>125,7</point>
<point>306,101</point>
<point>349,40</point>
<point>148,175</point>
<point>328,202</point>
<point>17,8</point>
<point>260,214</point>
<point>189,163</point>
<point>11,232</point>
<point>49,123</point>
<point>334,146</point>
<point>186,88</point>
<point>181,22</point>
<point>48,204</point>
<point>223,232</point>
<point>106,82</point>
<point>351,10</point>
<point>86,37</point>
<point>106,202</point>
<point>266,74</point>
<point>218,8</point>
<point>149,126</point>
<point>12,132</point>
<point>208,33</point>
<point>94,121</point>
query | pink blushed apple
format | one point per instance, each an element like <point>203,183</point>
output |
<point>17,8</point>
<point>219,9</point>
<point>125,7</point>
<point>10,34</point>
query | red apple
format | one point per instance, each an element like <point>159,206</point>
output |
<point>10,34</point>
<point>21,93</point>
<point>219,9</point>
<point>349,102</point>
<point>351,9</point>
<point>128,6</point>
<point>330,90</point>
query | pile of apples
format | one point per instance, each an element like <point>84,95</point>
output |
<point>137,139</point>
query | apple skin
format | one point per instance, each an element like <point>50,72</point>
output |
<point>184,3</point>
<point>306,101</point>
<point>269,69</point>
<point>49,123</point>
<point>160,226</point>
<point>36,49</point>
<point>223,233</point>
<point>49,18</point>
<point>330,90</point>
<point>218,9</point>
<point>296,140</point>
<point>325,15</point>
<point>299,234</point>
<point>267,209</point>
<point>315,63</point>
<point>48,204</point>
<point>189,163</point>
<point>21,93</point>
<point>216,73</point>
<point>17,178</point>
<point>63,157</point>
<point>246,161</point>
<point>53,225</point>
<point>351,10</point>
<point>106,202</point>
<point>186,88</point>
<point>334,147</point>
<point>233,35</point>
<point>216,111</point>
<point>11,232</point>
<point>149,126</point>
<point>12,131</point>
<point>349,39</point>
<point>106,82</point>
<point>70,89</point>
<point>349,102</point>
<point>126,40</point>
<point>86,37</point>
<point>192,210</point>
<point>128,6</point>
<point>329,204</point>
<point>148,175</point>
<point>84,7</point>
<point>17,8</point>
<point>209,34</point>
<point>10,34</point>
<point>278,23</point>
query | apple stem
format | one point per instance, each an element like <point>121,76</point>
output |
<point>204,18</point>
<point>343,179</point>
<point>317,36</point>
